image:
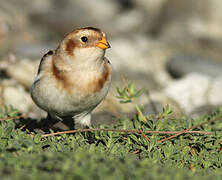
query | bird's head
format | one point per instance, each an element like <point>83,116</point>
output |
<point>86,43</point>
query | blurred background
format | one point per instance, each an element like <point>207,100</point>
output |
<point>172,48</point>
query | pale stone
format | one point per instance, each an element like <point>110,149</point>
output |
<point>15,95</point>
<point>189,92</point>
<point>214,94</point>
<point>21,70</point>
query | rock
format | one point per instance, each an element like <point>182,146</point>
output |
<point>9,27</point>
<point>15,95</point>
<point>21,70</point>
<point>195,90</point>
<point>182,64</point>
<point>159,99</point>
<point>152,11</point>
<point>18,35</point>
<point>153,108</point>
<point>71,14</point>
<point>143,34</point>
<point>128,22</point>
<point>185,20</point>
<point>215,90</point>
<point>203,110</point>
<point>32,51</point>
<point>104,117</point>
<point>139,61</point>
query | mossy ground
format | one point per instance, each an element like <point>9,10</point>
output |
<point>25,154</point>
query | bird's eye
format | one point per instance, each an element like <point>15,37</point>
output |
<point>84,39</point>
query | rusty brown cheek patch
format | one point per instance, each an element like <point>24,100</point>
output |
<point>70,45</point>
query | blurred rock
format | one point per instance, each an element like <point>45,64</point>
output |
<point>98,13</point>
<point>15,95</point>
<point>214,95</point>
<point>143,35</point>
<point>152,10</point>
<point>127,22</point>
<point>153,108</point>
<point>182,64</point>
<point>21,70</point>
<point>184,20</point>
<point>8,12</point>
<point>203,110</point>
<point>31,50</point>
<point>71,14</point>
<point>17,32</point>
<point>139,61</point>
<point>9,28</point>
<point>159,99</point>
<point>195,90</point>
<point>103,118</point>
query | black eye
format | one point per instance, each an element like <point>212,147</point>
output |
<point>84,39</point>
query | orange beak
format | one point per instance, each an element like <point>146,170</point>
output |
<point>103,44</point>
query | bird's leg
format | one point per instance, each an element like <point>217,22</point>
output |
<point>85,123</point>
<point>50,120</point>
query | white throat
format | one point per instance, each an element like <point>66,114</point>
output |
<point>90,58</point>
<point>91,54</point>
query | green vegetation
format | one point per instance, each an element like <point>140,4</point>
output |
<point>115,155</point>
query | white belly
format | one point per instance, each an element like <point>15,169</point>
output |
<point>53,100</point>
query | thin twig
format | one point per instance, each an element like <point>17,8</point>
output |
<point>148,139</point>
<point>22,127</point>
<point>135,152</point>
<point>124,131</point>
<point>188,130</point>
<point>14,117</point>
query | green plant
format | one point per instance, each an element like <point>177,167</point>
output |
<point>108,154</point>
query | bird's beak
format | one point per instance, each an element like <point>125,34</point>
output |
<point>103,44</point>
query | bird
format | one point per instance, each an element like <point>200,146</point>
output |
<point>75,77</point>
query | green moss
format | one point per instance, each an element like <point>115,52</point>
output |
<point>115,155</point>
